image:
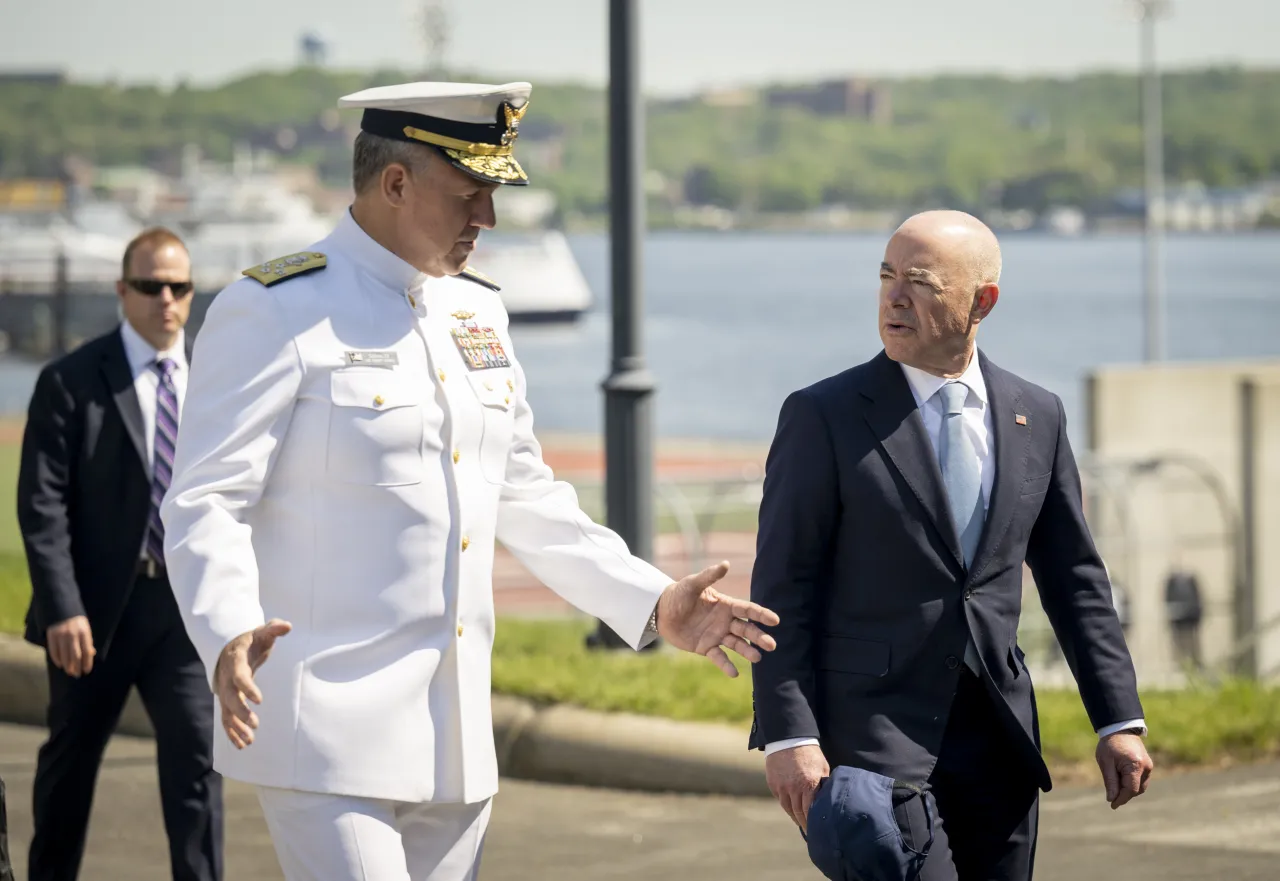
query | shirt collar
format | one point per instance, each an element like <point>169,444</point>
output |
<point>141,354</point>
<point>925,385</point>
<point>386,267</point>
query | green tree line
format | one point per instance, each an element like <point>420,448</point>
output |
<point>975,141</point>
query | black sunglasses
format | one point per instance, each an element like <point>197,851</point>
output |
<point>153,288</point>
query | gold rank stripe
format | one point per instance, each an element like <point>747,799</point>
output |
<point>479,278</point>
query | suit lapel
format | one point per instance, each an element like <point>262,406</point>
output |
<point>897,424</point>
<point>1012,445</point>
<point>115,368</point>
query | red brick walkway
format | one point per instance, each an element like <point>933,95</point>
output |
<point>582,459</point>
<point>515,591</point>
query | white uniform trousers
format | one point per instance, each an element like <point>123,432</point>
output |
<point>322,837</point>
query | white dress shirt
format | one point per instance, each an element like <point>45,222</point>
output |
<point>977,422</point>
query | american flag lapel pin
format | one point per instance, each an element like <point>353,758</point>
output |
<point>1019,418</point>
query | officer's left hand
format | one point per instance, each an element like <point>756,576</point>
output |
<point>694,616</point>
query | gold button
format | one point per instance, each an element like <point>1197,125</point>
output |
<point>412,301</point>
<point>511,386</point>
<point>489,386</point>
<point>506,400</point>
<point>440,373</point>
<point>378,401</point>
<point>459,629</point>
<point>456,457</point>
<point>466,542</point>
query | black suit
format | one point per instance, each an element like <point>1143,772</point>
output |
<point>858,555</point>
<point>83,500</point>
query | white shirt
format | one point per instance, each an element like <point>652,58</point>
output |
<point>141,356</point>
<point>977,422</point>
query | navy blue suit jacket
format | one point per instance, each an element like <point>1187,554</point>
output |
<point>857,554</point>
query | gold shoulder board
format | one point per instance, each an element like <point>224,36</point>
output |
<point>479,278</point>
<point>286,267</point>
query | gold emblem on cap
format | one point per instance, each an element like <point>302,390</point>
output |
<point>513,122</point>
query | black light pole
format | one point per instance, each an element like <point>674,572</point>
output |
<point>629,388</point>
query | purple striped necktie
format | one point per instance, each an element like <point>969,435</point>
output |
<point>162,465</point>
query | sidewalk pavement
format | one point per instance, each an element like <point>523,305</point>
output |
<point>1192,827</point>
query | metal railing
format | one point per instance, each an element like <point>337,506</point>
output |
<point>697,508</point>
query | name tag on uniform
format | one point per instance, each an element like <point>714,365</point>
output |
<point>480,346</point>
<point>373,359</point>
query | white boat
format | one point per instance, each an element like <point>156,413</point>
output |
<point>232,222</point>
<point>539,277</point>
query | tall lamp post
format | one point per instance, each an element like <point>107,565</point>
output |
<point>628,390</point>
<point>1149,12</point>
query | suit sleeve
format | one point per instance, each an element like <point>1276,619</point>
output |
<point>1076,595</point>
<point>50,448</point>
<point>244,378</point>
<point>589,565</point>
<point>799,514</point>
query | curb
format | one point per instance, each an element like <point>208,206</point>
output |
<point>548,744</point>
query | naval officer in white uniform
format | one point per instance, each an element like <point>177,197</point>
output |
<point>355,438</point>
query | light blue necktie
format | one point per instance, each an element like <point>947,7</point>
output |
<point>962,476</point>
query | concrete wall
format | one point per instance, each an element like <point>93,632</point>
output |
<point>1267,534</point>
<point>1188,412</point>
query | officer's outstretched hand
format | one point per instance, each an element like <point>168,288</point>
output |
<point>233,678</point>
<point>694,616</point>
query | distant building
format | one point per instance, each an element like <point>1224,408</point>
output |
<point>32,77</point>
<point>32,195</point>
<point>1193,207</point>
<point>730,98</point>
<point>854,97</point>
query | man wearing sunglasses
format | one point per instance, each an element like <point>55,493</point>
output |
<point>97,458</point>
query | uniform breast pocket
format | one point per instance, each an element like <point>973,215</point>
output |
<point>495,390</point>
<point>375,429</point>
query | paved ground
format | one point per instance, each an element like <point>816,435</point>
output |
<point>1202,826</point>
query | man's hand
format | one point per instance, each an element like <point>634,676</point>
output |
<point>1126,767</point>
<point>71,646</point>
<point>697,618</point>
<point>793,776</point>
<point>233,678</point>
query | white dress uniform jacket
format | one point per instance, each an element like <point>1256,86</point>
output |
<point>342,467</point>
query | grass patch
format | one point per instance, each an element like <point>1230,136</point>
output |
<point>15,591</point>
<point>10,537</point>
<point>547,661</point>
